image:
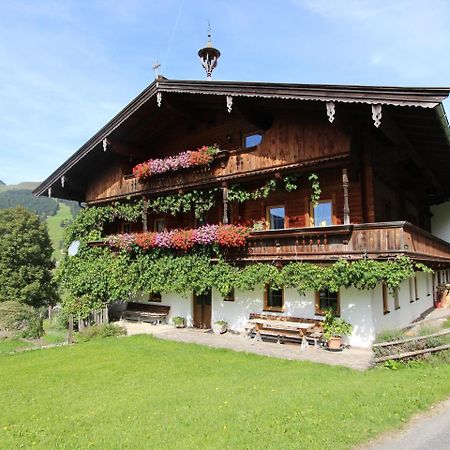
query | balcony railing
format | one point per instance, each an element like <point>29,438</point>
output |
<point>372,240</point>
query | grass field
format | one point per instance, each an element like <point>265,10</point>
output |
<point>142,393</point>
<point>10,345</point>
<point>55,230</point>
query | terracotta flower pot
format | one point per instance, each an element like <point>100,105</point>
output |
<point>334,343</point>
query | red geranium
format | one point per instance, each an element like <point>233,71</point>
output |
<point>232,235</point>
<point>145,240</point>
<point>183,239</point>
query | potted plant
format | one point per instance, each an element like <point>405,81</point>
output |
<point>179,322</point>
<point>220,327</point>
<point>334,329</point>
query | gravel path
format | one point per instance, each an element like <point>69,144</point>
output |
<point>426,431</point>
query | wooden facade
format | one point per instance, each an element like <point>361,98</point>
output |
<point>392,182</point>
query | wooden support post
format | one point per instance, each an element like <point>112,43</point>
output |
<point>368,190</point>
<point>70,331</point>
<point>144,215</point>
<point>225,203</point>
<point>346,205</point>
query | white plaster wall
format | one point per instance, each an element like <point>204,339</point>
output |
<point>408,311</point>
<point>236,313</point>
<point>356,308</point>
<point>363,309</point>
<point>179,305</point>
<point>440,221</point>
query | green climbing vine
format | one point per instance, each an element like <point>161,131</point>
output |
<point>198,201</point>
<point>316,191</point>
<point>97,275</point>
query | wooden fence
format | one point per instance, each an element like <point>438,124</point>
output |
<point>392,347</point>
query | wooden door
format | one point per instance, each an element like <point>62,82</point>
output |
<point>202,310</point>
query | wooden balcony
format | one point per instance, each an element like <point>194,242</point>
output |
<point>372,240</point>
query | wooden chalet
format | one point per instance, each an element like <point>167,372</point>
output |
<point>382,156</point>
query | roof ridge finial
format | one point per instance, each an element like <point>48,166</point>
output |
<point>209,55</point>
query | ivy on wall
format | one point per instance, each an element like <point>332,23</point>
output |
<point>90,221</point>
<point>97,275</point>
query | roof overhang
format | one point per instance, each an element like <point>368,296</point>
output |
<point>429,98</point>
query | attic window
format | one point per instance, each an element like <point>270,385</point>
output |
<point>252,139</point>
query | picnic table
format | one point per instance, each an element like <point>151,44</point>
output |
<point>281,329</point>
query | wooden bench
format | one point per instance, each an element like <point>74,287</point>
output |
<point>284,328</point>
<point>144,312</point>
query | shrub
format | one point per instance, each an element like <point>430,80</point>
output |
<point>21,320</point>
<point>391,335</point>
<point>101,331</point>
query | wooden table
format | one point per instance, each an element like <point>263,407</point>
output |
<point>277,327</point>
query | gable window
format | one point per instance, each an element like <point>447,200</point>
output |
<point>322,214</point>
<point>252,139</point>
<point>159,225</point>
<point>326,299</point>
<point>276,217</point>
<point>273,299</point>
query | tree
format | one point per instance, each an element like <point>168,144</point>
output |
<point>25,259</point>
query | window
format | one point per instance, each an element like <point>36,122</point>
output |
<point>416,291</point>
<point>229,297</point>
<point>412,290</point>
<point>159,225</point>
<point>322,214</point>
<point>154,297</point>
<point>252,140</point>
<point>125,227</point>
<point>326,299</point>
<point>275,217</point>
<point>273,299</point>
<point>396,300</point>
<point>384,295</point>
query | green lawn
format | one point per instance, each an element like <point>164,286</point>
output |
<point>142,393</point>
<point>10,345</point>
<point>55,230</point>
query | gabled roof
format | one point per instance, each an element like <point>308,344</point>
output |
<point>429,98</point>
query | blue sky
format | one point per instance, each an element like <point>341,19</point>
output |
<point>66,67</point>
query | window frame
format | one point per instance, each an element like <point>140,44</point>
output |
<point>159,220</point>
<point>251,133</point>
<point>320,312</point>
<point>126,227</point>
<point>155,297</point>
<point>266,306</point>
<point>311,213</point>
<point>396,300</point>
<point>385,298</point>
<point>231,296</point>
<point>268,208</point>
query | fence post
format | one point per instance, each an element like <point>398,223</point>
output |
<point>70,331</point>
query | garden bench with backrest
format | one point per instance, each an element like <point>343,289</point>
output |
<point>284,328</point>
<point>144,312</point>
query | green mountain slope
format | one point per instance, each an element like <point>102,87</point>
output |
<point>56,212</point>
<point>28,185</point>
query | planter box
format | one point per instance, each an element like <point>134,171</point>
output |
<point>219,328</point>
